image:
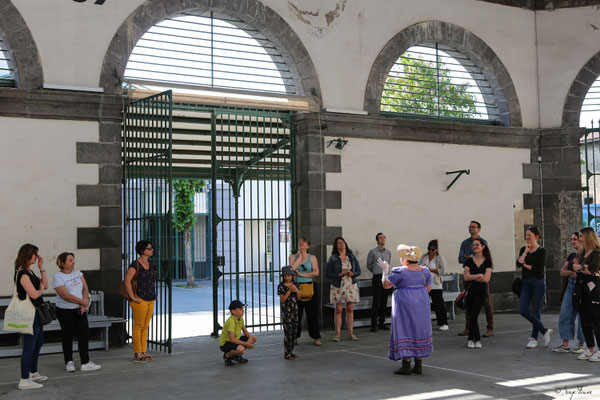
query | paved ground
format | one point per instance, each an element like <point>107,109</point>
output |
<point>504,368</point>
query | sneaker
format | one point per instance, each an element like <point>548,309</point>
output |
<point>578,349</point>
<point>90,366</point>
<point>70,367</point>
<point>586,355</point>
<point>595,357</point>
<point>443,328</point>
<point>336,339</point>
<point>240,359</point>
<point>470,344</point>
<point>561,349</point>
<point>36,377</point>
<point>353,338</point>
<point>478,344</point>
<point>532,343</point>
<point>547,337</point>
<point>228,362</point>
<point>25,384</point>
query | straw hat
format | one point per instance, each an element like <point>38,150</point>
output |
<point>410,253</point>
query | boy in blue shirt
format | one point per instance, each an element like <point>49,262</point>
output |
<point>232,343</point>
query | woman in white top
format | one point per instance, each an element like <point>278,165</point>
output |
<point>71,310</point>
<point>437,266</point>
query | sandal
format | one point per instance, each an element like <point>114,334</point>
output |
<point>318,342</point>
<point>148,357</point>
<point>140,358</point>
<point>288,357</point>
<point>294,355</point>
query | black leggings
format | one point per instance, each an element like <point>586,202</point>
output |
<point>589,326</point>
<point>71,322</point>
<point>474,302</point>
<point>437,301</point>
<point>312,316</point>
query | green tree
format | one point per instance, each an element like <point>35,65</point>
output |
<point>184,218</point>
<point>416,90</point>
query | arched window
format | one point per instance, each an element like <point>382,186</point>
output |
<point>435,81</point>
<point>590,109</point>
<point>7,70</point>
<point>213,50</point>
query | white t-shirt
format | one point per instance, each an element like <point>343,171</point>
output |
<point>72,282</point>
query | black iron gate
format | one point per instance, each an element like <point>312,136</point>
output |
<point>251,211</point>
<point>147,201</point>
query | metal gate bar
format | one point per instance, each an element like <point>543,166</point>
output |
<point>147,202</point>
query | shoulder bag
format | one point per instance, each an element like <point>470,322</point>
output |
<point>19,315</point>
<point>46,312</point>
<point>123,289</point>
<point>516,286</point>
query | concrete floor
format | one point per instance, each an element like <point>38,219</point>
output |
<point>503,369</point>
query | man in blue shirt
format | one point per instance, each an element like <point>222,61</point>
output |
<point>466,252</point>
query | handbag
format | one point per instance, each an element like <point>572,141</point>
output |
<point>306,291</point>
<point>46,313</point>
<point>123,289</point>
<point>516,286</point>
<point>19,315</point>
<point>461,299</point>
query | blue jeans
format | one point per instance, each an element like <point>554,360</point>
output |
<point>32,344</point>
<point>566,320</point>
<point>533,292</point>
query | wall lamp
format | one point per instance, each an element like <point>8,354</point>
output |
<point>339,143</point>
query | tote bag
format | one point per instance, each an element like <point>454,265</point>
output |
<point>19,315</point>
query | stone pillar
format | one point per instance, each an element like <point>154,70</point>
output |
<point>556,198</point>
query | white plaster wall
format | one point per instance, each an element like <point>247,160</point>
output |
<point>567,39</point>
<point>73,38</point>
<point>401,192</point>
<point>38,201</point>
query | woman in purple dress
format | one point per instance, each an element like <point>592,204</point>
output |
<point>410,333</point>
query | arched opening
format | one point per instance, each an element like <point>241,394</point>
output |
<point>7,68</point>
<point>242,154</point>
<point>435,81</point>
<point>464,50</point>
<point>589,118</point>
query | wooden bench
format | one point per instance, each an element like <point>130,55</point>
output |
<point>96,320</point>
<point>451,285</point>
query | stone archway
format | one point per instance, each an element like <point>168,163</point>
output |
<point>251,12</point>
<point>25,54</point>
<point>463,41</point>
<point>578,90</point>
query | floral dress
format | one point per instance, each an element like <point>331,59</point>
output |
<point>289,318</point>
<point>348,291</point>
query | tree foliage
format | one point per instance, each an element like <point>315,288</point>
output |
<point>415,89</point>
<point>185,190</point>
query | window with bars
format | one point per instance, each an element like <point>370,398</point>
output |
<point>590,109</point>
<point>7,71</point>
<point>436,81</point>
<point>210,49</point>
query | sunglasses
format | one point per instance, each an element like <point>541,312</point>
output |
<point>149,248</point>
<point>431,249</point>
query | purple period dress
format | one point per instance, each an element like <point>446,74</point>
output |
<point>410,333</point>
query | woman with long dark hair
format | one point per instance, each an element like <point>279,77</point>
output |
<point>28,284</point>
<point>306,269</point>
<point>477,271</point>
<point>342,269</point>
<point>532,260</point>
<point>142,303</point>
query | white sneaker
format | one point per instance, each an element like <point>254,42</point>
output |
<point>595,357</point>
<point>470,344</point>
<point>90,366</point>
<point>36,377</point>
<point>532,343</point>
<point>443,328</point>
<point>70,367</point>
<point>478,344</point>
<point>579,349</point>
<point>25,384</point>
<point>585,355</point>
<point>548,336</point>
